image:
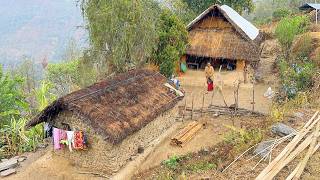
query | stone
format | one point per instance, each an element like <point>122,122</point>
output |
<point>7,172</point>
<point>298,115</point>
<point>22,158</point>
<point>140,149</point>
<point>282,129</point>
<point>263,148</point>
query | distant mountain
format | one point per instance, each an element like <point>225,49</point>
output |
<point>38,29</point>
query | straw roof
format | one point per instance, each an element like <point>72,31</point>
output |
<point>118,107</point>
<point>220,32</point>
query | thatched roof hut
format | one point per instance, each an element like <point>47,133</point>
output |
<point>221,33</point>
<point>118,107</point>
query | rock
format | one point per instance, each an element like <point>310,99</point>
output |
<point>140,149</point>
<point>282,129</point>
<point>298,115</point>
<point>11,163</point>
<point>7,172</point>
<point>263,148</point>
<point>22,158</point>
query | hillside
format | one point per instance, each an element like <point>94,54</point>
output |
<point>38,29</point>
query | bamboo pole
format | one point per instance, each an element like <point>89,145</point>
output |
<point>309,153</point>
<point>288,148</point>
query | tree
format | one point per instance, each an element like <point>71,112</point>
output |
<point>122,32</point>
<point>12,99</point>
<point>172,42</point>
<point>198,6</point>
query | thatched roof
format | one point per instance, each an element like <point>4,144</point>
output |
<point>116,107</point>
<point>240,40</point>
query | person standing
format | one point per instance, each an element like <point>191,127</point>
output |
<point>209,72</point>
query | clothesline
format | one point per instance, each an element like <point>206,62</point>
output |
<point>66,139</point>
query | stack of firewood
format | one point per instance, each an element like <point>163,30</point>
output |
<point>307,137</point>
<point>186,134</point>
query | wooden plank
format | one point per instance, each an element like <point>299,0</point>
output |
<point>185,130</point>
<point>8,164</point>
<point>7,172</point>
<point>289,147</point>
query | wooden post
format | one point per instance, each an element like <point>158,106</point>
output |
<point>253,100</point>
<point>202,104</point>
<point>192,107</point>
<point>185,107</point>
<point>211,103</point>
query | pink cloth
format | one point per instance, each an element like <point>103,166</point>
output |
<point>56,138</point>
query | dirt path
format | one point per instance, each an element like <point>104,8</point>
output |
<point>45,165</point>
<point>212,134</point>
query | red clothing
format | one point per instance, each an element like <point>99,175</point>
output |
<point>210,86</point>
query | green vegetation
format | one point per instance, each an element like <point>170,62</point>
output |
<point>172,162</point>
<point>242,138</point>
<point>198,6</point>
<point>296,77</point>
<point>201,166</point>
<point>288,28</point>
<point>281,13</point>
<point>15,112</point>
<point>172,42</point>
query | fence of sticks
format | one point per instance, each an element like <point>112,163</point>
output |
<point>205,107</point>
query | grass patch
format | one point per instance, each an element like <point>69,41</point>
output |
<point>201,166</point>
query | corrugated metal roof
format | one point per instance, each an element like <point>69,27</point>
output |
<point>245,25</point>
<point>249,29</point>
<point>310,6</point>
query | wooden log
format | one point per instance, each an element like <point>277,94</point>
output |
<point>191,134</point>
<point>11,163</point>
<point>7,172</point>
<point>288,148</point>
<point>185,130</point>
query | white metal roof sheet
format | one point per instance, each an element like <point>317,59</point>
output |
<point>244,24</point>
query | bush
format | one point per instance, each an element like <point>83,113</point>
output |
<point>302,48</point>
<point>172,42</point>
<point>172,163</point>
<point>242,138</point>
<point>288,28</point>
<point>296,77</point>
<point>281,13</point>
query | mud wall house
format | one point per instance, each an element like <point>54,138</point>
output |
<point>221,36</point>
<point>118,115</point>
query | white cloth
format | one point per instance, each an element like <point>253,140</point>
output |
<point>269,93</point>
<point>70,138</point>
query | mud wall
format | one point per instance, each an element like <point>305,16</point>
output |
<point>105,157</point>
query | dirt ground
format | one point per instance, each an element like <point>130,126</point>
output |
<point>46,165</point>
<point>194,83</point>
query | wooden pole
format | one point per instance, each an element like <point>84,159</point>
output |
<point>185,107</point>
<point>192,107</point>
<point>211,103</point>
<point>202,104</point>
<point>253,100</point>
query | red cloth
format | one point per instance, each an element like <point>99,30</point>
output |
<point>210,86</point>
<point>78,140</point>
